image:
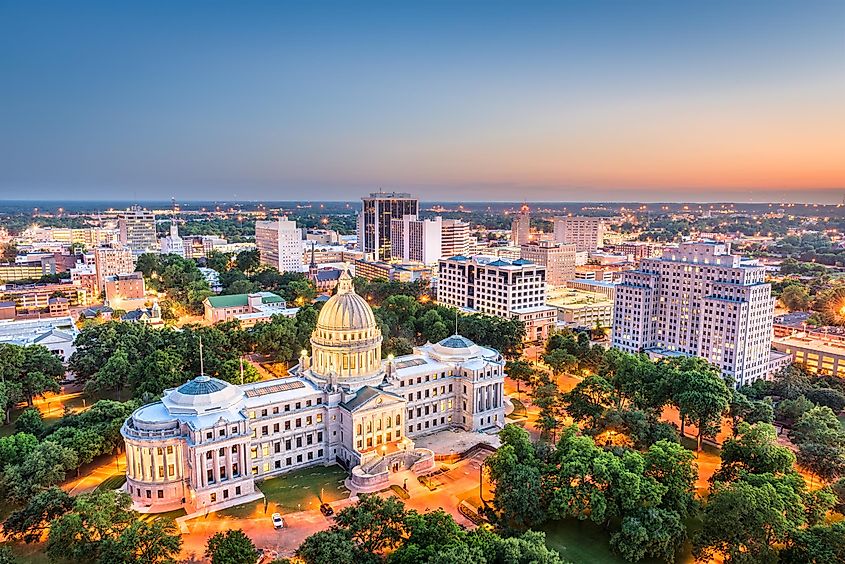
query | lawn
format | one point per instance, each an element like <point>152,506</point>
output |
<point>296,491</point>
<point>112,483</point>
<point>584,542</point>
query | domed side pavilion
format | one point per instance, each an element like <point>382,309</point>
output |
<point>204,445</point>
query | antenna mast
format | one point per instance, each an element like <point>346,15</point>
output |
<point>202,365</point>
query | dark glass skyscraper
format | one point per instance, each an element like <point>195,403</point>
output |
<point>374,222</point>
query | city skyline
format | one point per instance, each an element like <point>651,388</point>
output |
<point>452,101</point>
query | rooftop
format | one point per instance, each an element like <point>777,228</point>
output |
<point>240,300</point>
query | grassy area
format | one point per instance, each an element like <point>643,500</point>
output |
<point>518,409</point>
<point>112,483</point>
<point>296,491</point>
<point>584,542</point>
<point>29,553</point>
<point>175,514</point>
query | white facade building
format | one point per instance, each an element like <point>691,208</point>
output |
<point>454,238</point>
<point>698,300</point>
<point>173,243</point>
<point>279,244</point>
<point>416,240</point>
<point>521,227</point>
<point>56,334</point>
<point>203,446</point>
<point>587,233</point>
<point>500,287</point>
<point>137,228</point>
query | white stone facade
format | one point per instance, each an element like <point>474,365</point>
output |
<point>699,300</point>
<point>206,443</point>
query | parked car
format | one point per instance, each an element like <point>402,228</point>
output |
<point>326,509</point>
<point>278,522</point>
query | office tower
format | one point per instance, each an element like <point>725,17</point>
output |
<point>416,240</point>
<point>586,232</point>
<point>454,239</point>
<point>500,287</point>
<point>173,243</point>
<point>558,258</point>
<point>698,300</point>
<point>112,260</point>
<point>521,227</point>
<point>137,228</point>
<point>279,244</point>
<point>374,223</point>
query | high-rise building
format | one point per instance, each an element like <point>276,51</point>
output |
<point>374,222</point>
<point>587,233</point>
<point>558,258</point>
<point>173,243</point>
<point>454,239</point>
<point>110,261</point>
<point>500,287</point>
<point>416,240</point>
<point>698,300</point>
<point>521,227</point>
<point>137,228</point>
<point>279,244</point>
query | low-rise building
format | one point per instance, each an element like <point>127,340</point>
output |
<point>249,309</point>
<point>207,442</point>
<point>57,334</point>
<point>123,290</point>
<point>819,355</point>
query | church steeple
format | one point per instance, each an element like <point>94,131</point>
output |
<point>312,266</point>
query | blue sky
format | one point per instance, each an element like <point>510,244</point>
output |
<point>450,100</point>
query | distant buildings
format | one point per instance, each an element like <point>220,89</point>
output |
<point>416,240</point>
<point>56,334</point>
<point>582,309</point>
<point>137,228</point>
<point>558,258</point>
<point>279,244</point>
<point>587,233</point>
<point>375,221</point>
<point>371,270</point>
<point>454,239</point>
<point>521,227</point>
<point>109,261</point>
<point>173,243</point>
<point>699,300</point>
<point>495,286</point>
<point>125,290</point>
<point>818,354</point>
<point>249,309</point>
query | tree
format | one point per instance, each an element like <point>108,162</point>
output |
<point>519,493</point>
<point>230,371</point>
<point>243,286</point>
<point>29,523</point>
<point>674,467</point>
<point>791,410</point>
<point>30,421</point>
<point>819,544</point>
<point>327,546</point>
<point>38,372</point>
<point>560,361</point>
<point>16,448</point>
<point>796,298</point>
<point>45,466</point>
<point>753,450</point>
<point>519,371</point>
<point>157,542</point>
<point>277,338</point>
<point>701,395</point>
<point>742,519</point>
<point>6,556</point>
<point>650,532</point>
<point>114,375</point>
<point>230,547</point>
<point>821,443</point>
<point>374,524</point>
<point>96,521</point>
<point>247,261</point>
<point>398,346</point>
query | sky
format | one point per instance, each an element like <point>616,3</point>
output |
<point>474,100</point>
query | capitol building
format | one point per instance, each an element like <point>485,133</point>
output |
<point>207,442</point>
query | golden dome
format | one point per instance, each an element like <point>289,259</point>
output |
<point>346,343</point>
<point>346,310</point>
